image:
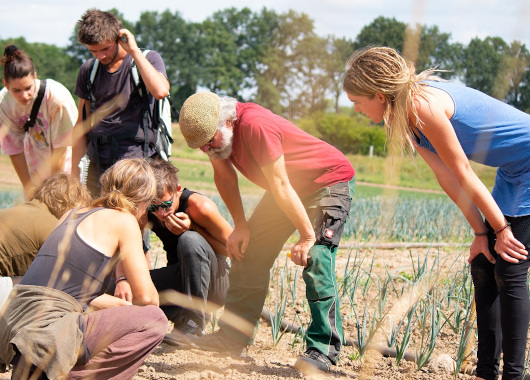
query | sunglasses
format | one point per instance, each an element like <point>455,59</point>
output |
<point>164,205</point>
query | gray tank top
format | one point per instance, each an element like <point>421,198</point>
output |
<point>81,271</point>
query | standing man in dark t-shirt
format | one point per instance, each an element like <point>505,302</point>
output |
<point>307,183</point>
<point>119,133</point>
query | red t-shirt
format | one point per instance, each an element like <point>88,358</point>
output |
<point>260,137</point>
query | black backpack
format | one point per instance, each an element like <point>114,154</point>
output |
<point>159,121</point>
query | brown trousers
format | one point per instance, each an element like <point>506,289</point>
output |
<point>119,339</point>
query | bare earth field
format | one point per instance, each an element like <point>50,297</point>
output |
<point>267,361</point>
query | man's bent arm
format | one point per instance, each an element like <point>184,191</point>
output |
<point>226,181</point>
<point>225,178</point>
<point>155,82</point>
<point>290,203</point>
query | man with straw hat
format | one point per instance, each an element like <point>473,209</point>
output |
<point>307,183</point>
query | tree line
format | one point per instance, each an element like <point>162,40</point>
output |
<point>278,60</point>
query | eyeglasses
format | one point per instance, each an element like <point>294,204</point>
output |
<point>164,205</point>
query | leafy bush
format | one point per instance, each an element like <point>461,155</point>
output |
<point>350,134</point>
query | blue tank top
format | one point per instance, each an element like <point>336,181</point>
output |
<point>496,134</point>
<point>85,273</point>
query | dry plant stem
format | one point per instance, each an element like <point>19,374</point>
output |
<point>467,365</point>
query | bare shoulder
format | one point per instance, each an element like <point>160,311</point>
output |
<point>432,108</point>
<point>434,100</point>
<point>115,218</point>
<point>119,216</point>
<point>199,204</point>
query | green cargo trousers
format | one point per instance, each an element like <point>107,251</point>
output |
<point>270,228</point>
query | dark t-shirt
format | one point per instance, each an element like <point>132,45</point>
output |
<point>127,117</point>
<point>260,137</point>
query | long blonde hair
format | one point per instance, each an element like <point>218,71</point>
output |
<point>127,184</point>
<point>382,70</point>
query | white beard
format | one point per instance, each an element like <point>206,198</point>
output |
<point>224,151</point>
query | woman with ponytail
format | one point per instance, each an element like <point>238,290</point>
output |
<point>61,306</point>
<point>450,124</point>
<point>45,147</point>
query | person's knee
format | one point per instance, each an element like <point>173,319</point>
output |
<point>192,245</point>
<point>155,320</point>
<point>319,274</point>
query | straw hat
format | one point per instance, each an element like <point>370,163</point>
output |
<point>199,118</point>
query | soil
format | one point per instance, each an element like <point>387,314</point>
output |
<point>268,361</point>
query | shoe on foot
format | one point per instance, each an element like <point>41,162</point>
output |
<point>220,342</point>
<point>313,361</point>
<point>183,334</point>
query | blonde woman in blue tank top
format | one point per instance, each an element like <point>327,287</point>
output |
<point>449,125</point>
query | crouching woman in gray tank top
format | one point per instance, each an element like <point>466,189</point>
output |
<point>58,323</point>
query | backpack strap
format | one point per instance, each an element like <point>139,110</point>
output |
<point>143,92</point>
<point>137,79</point>
<point>35,109</point>
<point>90,84</point>
<point>150,119</point>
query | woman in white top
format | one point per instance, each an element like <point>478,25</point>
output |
<point>46,147</point>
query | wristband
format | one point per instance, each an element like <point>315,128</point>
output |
<point>481,233</point>
<point>193,226</point>
<point>119,279</point>
<point>508,224</point>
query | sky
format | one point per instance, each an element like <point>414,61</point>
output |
<point>52,21</point>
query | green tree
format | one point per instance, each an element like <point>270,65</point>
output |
<point>339,50</point>
<point>236,42</point>
<point>511,73</point>
<point>435,51</point>
<point>425,45</point>
<point>277,78</point>
<point>482,61</point>
<point>310,80</point>
<point>181,46</point>
<point>224,70</point>
<point>520,96</point>
<point>382,31</point>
